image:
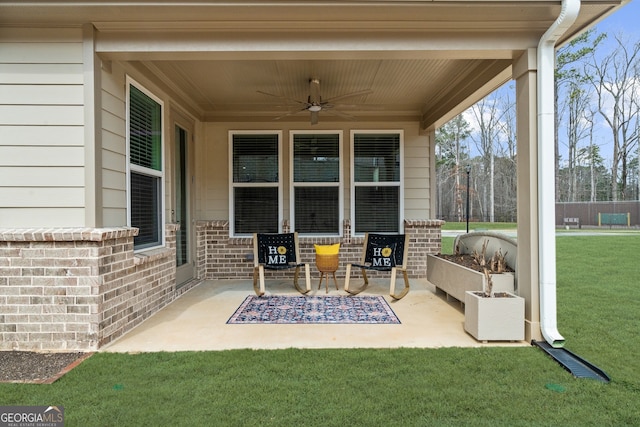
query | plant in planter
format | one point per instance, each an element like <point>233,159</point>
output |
<point>493,316</point>
<point>461,272</point>
<point>497,264</point>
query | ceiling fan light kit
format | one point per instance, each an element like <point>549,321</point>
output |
<point>315,104</point>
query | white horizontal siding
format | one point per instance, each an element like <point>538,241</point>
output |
<point>113,105</point>
<point>113,143</point>
<point>416,176</point>
<point>416,183</point>
<point>42,115</point>
<point>114,217</point>
<point>115,125</point>
<point>41,74</point>
<point>42,156</point>
<point>42,135</point>
<point>41,53</point>
<point>415,209</point>
<point>114,148</point>
<point>113,180</point>
<point>114,161</point>
<point>42,176</point>
<point>35,197</point>
<point>41,217</point>
<point>114,198</point>
<point>41,94</point>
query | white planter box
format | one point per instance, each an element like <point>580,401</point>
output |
<point>494,319</point>
<point>455,279</point>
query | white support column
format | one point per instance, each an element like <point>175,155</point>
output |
<point>525,74</point>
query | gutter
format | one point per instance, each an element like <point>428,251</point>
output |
<point>546,180</point>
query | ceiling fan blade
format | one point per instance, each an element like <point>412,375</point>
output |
<point>290,113</point>
<point>340,114</point>
<point>348,95</point>
<point>283,98</point>
<point>314,92</point>
<point>314,117</point>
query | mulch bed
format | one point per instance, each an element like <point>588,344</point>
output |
<point>37,368</point>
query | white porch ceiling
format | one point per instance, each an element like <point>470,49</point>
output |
<point>400,89</point>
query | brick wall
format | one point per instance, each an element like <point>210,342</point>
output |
<point>79,289</point>
<point>221,257</point>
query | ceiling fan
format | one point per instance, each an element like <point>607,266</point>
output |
<point>315,103</point>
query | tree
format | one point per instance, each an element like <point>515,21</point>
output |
<point>579,126</point>
<point>450,153</point>
<point>488,116</point>
<point>569,71</point>
<point>615,80</point>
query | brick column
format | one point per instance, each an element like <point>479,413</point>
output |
<point>78,289</point>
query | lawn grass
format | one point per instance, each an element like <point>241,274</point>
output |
<point>598,300</point>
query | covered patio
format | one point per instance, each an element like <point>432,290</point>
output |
<point>197,322</point>
<point>147,141</point>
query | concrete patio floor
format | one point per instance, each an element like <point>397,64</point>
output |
<point>197,322</point>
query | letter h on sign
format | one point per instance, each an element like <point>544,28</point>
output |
<point>379,260</point>
<point>274,257</point>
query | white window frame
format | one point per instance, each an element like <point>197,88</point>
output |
<point>399,184</point>
<point>339,184</point>
<point>143,170</point>
<point>233,185</point>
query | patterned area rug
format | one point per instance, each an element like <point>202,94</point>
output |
<point>314,309</point>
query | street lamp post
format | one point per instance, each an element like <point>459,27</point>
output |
<point>468,170</point>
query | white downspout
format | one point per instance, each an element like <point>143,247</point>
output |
<point>546,162</point>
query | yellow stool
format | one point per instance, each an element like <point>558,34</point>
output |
<point>327,261</point>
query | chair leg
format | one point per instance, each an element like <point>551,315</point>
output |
<point>392,287</point>
<point>320,282</point>
<point>258,271</point>
<point>360,289</point>
<point>346,278</point>
<point>307,279</point>
<point>325,275</point>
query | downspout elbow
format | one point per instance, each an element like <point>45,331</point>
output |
<point>546,181</point>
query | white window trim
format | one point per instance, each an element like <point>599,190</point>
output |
<point>129,81</point>
<point>232,185</point>
<point>339,184</point>
<point>353,132</point>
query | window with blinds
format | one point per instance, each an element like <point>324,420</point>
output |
<point>316,166</point>
<point>144,123</point>
<point>255,196</point>
<point>376,168</point>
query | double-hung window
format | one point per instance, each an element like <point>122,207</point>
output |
<point>376,176</point>
<point>146,172</point>
<point>255,196</point>
<point>316,190</point>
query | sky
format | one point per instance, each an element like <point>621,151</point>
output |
<point>624,19</point>
<point>622,22</point>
